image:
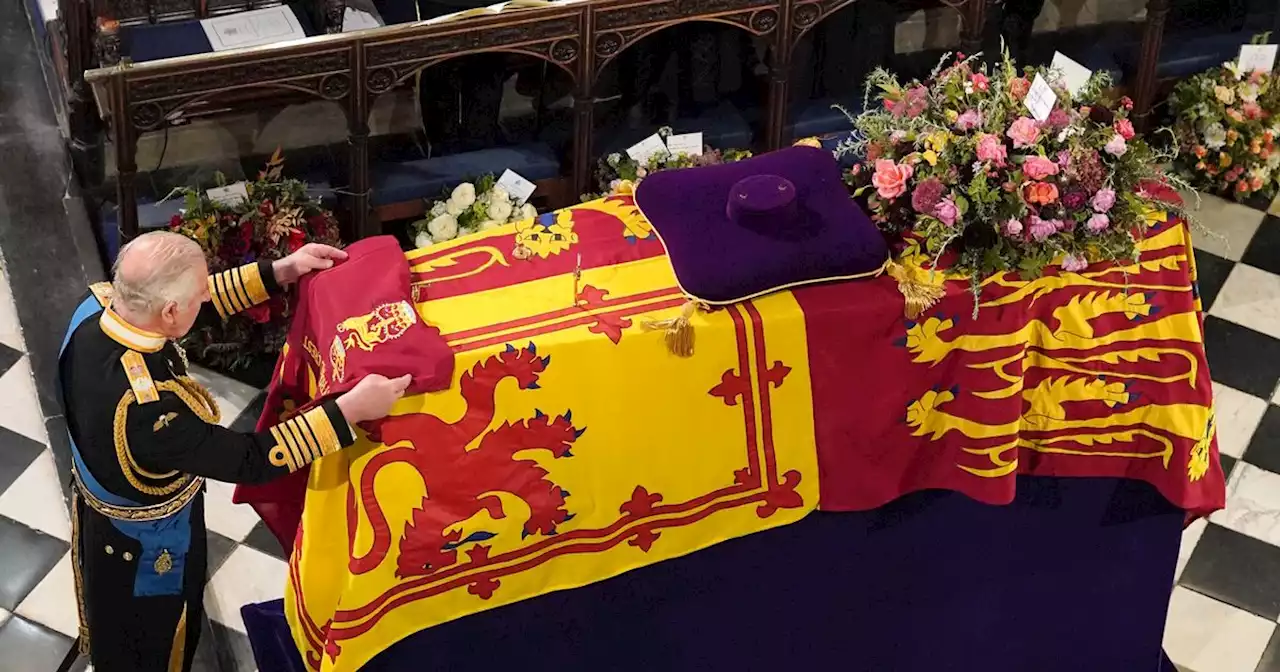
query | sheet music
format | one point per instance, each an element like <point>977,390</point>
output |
<point>253,28</point>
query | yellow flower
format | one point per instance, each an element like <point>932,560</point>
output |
<point>625,188</point>
<point>809,142</point>
<point>1227,96</point>
<point>930,156</point>
<point>1224,159</point>
<point>952,115</point>
<point>937,141</point>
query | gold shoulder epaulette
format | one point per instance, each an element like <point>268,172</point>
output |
<point>135,368</point>
<point>303,440</point>
<point>237,290</point>
<point>102,291</point>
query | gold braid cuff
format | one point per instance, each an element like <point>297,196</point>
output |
<point>303,440</point>
<point>195,397</point>
<point>237,290</point>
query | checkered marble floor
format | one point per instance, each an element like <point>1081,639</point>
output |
<point>38,613</point>
<point>1222,617</point>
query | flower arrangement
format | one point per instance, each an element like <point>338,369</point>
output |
<point>470,207</point>
<point>619,173</point>
<point>1226,126</point>
<point>959,163</point>
<point>278,217</point>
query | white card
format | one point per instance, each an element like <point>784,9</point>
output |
<point>1257,57</point>
<point>253,28</point>
<point>519,188</point>
<point>1040,99</point>
<point>646,149</point>
<point>232,194</point>
<point>1076,75</point>
<point>355,19</point>
<point>689,144</point>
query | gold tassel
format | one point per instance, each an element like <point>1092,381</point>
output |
<point>678,330</point>
<point>918,296</point>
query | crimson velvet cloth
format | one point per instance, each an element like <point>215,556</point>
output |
<point>371,283</point>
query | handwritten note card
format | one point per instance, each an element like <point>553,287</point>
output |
<point>1257,57</point>
<point>1040,99</point>
<point>646,149</point>
<point>689,144</point>
<point>519,188</point>
<point>1075,75</point>
<point>232,194</point>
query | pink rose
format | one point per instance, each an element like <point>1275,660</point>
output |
<point>980,81</point>
<point>917,100</point>
<point>1024,132</point>
<point>1012,228</point>
<point>969,120</point>
<point>1074,263</point>
<point>891,178</point>
<point>1103,200</point>
<point>1125,128</point>
<point>1116,146</point>
<point>946,211</point>
<point>1041,228</point>
<point>1252,110</point>
<point>1097,223</point>
<point>1038,167</point>
<point>991,148</point>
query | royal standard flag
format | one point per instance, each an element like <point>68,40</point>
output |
<point>571,447</point>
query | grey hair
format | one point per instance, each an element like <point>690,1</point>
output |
<point>156,268</point>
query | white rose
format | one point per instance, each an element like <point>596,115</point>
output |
<point>489,224</point>
<point>464,194</point>
<point>500,210</point>
<point>527,211</point>
<point>423,239</point>
<point>443,228</point>
<point>499,195</point>
<point>439,208</point>
<point>454,208</point>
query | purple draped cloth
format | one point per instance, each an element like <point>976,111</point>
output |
<point>1074,575</point>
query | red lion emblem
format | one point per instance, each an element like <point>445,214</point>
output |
<point>459,481</point>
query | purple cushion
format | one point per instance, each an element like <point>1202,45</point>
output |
<point>778,220</point>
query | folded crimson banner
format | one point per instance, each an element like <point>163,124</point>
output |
<point>353,320</point>
<point>571,446</point>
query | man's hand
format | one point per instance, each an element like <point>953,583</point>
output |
<point>372,398</point>
<point>309,257</point>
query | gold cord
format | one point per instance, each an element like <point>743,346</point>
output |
<point>198,399</point>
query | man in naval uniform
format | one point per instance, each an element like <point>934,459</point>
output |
<point>145,436</point>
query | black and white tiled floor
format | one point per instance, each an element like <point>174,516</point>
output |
<point>38,616</point>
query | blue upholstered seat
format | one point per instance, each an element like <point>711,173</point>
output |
<point>818,117</point>
<point>1102,58</point>
<point>1182,56</point>
<point>399,181</point>
<point>722,127</point>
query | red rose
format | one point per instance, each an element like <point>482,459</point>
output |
<point>267,209</point>
<point>260,313</point>
<point>175,222</point>
<point>1125,128</point>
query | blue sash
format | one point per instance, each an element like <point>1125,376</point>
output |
<point>169,535</point>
